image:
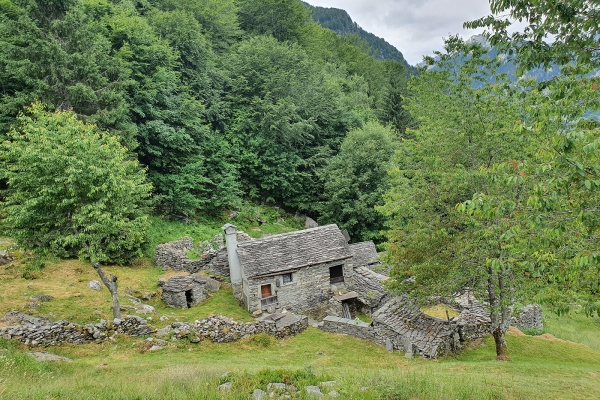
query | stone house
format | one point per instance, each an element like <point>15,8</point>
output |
<point>299,271</point>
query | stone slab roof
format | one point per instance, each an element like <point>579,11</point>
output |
<point>364,253</point>
<point>178,284</point>
<point>288,251</point>
<point>369,286</point>
<point>404,317</point>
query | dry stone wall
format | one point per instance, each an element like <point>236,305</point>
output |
<point>221,329</point>
<point>530,318</point>
<point>34,331</point>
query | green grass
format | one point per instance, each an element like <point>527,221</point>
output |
<point>362,370</point>
<point>163,230</point>
<point>575,327</point>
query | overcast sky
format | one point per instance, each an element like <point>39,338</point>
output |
<point>416,27</point>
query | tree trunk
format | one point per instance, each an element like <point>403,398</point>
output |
<point>501,346</point>
<point>111,284</point>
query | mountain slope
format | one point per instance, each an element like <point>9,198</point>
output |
<point>340,22</point>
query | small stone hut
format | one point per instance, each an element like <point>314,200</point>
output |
<point>297,271</point>
<point>187,291</point>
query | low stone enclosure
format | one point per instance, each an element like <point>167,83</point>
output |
<point>174,255</point>
<point>35,331</point>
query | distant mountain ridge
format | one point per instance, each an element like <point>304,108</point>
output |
<point>340,22</point>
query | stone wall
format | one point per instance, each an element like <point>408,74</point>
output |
<point>530,318</point>
<point>308,293</point>
<point>44,332</point>
<point>221,329</point>
<point>174,255</point>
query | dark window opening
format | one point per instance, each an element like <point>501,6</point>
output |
<point>287,278</point>
<point>188,298</point>
<point>265,291</point>
<point>336,274</point>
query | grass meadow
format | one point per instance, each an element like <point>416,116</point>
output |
<point>563,363</point>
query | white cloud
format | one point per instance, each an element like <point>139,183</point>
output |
<point>416,28</point>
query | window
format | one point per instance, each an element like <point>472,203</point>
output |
<point>336,274</point>
<point>287,278</point>
<point>265,291</point>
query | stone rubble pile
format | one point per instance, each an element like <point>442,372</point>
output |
<point>220,329</point>
<point>5,258</point>
<point>34,331</point>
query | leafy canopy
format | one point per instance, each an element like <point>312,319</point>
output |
<point>72,191</point>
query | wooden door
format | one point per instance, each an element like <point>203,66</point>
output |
<point>265,291</point>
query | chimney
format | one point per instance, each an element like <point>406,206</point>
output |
<point>235,269</point>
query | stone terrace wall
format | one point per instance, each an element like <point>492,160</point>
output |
<point>44,332</point>
<point>174,255</point>
<point>221,329</point>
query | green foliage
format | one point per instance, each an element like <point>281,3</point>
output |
<point>554,32</point>
<point>553,226</point>
<point>355,181</point>
<point>282,19</point>
<point>72,191</point>
<point>287,117</point>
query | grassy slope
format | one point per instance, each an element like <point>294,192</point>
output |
<point>124,370</point>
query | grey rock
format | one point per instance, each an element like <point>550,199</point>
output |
<point>389,345</point>
<point>41,297</point>
<point>276,386</point>
<point>226,387</point>
<point>145,309</point>
<point>313,391</point>
<point>94,285</point>
<point>333,393</point>
<point>44,356</point>
<point>258,394</point>
<point>156,348</point>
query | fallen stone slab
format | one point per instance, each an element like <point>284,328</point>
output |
<point>44,356</point>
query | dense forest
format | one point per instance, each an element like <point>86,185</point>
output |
<point>470,179</point>
<point>218,100</point>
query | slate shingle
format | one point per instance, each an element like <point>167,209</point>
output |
<point>364,253</point>
<point>293,250</point>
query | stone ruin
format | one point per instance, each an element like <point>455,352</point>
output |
<point>187,291</point>
<point>213,257</point>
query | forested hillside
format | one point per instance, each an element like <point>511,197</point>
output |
<point>219,100</point>
<point>340,22</point>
